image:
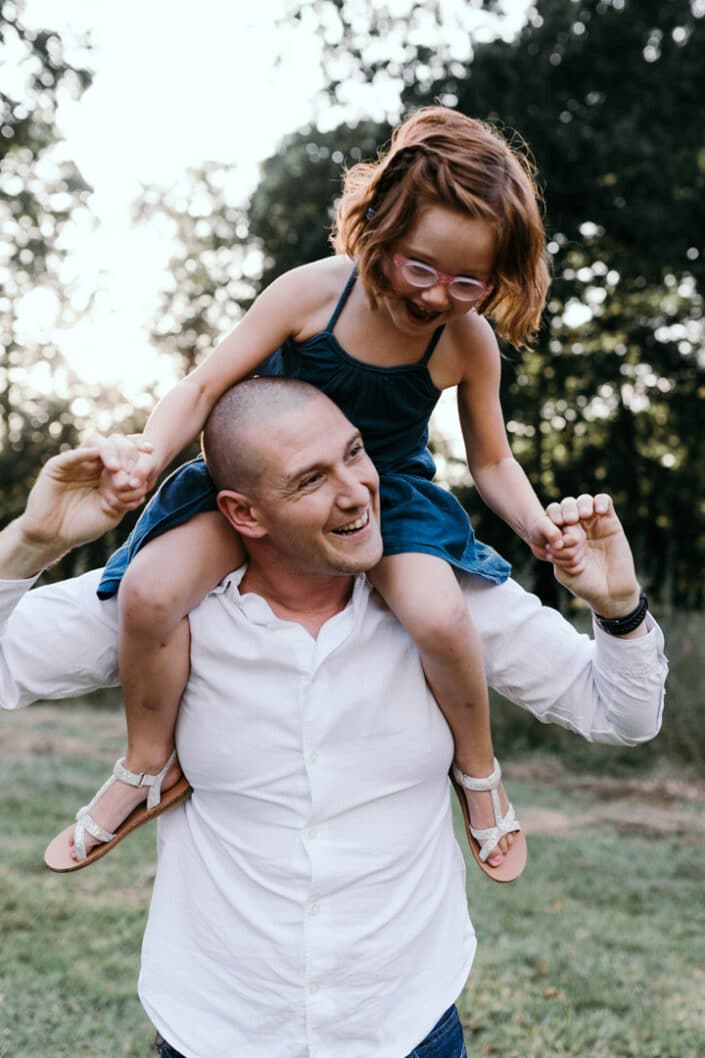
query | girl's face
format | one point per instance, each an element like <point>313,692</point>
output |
<point>452,243</point>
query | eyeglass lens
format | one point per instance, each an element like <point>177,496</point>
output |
<point>421,275</point>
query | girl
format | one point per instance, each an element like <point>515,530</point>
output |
<point>442,234</point>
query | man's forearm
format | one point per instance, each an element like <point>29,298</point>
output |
<point>55,642</point>
<point>22,555</point>
<point>610,690</point>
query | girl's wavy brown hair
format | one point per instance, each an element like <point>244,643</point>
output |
<point>441,157</point>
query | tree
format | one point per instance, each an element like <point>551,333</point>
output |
<point>608,93</point>
<point>211,265</point>
<point>43,406</point>
<point>609,97</point>
<point>39,191</point>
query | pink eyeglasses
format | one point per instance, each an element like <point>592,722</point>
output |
<point>462,288</point>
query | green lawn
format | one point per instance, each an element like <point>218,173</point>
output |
<point>597,951</point>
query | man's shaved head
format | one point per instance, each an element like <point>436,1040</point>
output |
<point>234,429</point>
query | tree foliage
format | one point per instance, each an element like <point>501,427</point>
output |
<point>608,93</point>
<point>43,406</point>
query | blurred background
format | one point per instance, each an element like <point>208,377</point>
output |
<point>162,162</point>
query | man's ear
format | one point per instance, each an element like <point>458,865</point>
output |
<point>241,513</point>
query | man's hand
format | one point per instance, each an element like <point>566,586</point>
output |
<point>72,502</point>
<point>596,562</point>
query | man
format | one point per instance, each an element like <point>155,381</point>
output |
<point>310,897</point>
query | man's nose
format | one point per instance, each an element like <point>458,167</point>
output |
<point>355,484</point>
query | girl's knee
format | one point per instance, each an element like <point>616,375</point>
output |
<point>443,627</point>
<point>149,599</point>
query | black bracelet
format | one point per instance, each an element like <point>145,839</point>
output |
<point>621,626</point>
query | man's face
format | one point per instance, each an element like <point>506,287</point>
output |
<point>318,492</point>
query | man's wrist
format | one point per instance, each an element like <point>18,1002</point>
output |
<point>621,620</point>
<point>24,554</point>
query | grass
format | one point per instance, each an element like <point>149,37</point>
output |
<point>597,951</point>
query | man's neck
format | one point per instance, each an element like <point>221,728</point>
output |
<point>303,598</point>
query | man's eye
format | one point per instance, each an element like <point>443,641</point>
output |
<point>310,481</point>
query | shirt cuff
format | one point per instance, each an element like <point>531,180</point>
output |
<point>629,656</point>
<point>11,591</point>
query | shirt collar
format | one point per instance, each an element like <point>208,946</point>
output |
<point>256,608</point>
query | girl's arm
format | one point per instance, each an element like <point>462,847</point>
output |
<point>284,309</point>
<point>180,416</point>
<point>497,475</point>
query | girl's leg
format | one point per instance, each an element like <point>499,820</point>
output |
<point>163,583</point>
<point>424,594</point>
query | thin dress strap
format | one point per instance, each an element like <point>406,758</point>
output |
<point>432,344</point>
<point>341,305</point>
<point>342,299</point>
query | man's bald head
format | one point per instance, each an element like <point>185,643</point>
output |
<point>238,422</point>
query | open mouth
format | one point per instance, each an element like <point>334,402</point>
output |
<point>419,314</point>
<point>354,527</point>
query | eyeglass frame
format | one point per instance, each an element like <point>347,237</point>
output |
<point>441,278</point>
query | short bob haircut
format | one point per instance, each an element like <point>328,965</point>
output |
<point>438,156</point>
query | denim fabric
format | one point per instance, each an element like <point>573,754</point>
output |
<point>445,1040</point>
<point>167,1051</point>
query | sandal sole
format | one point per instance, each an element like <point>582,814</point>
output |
<point>514,861</point>
<point>58,852</point>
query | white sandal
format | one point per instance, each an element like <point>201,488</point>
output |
<point>60,857</point>
<point>483,840</point>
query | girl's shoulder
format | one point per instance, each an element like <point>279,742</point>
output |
<point>471,345</point>
<point>311,292</point>
<point>316,280</point>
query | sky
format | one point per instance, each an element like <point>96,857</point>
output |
<point>171,89</point>
<point>175,84</point>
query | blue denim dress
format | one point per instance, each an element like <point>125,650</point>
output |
<point>391,407</point>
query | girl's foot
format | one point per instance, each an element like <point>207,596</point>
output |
<point>492,829</point>
<point>119,797</point>
<point>126,801</point>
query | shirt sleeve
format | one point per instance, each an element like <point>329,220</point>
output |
<point>56,641</point>
<point>604,688</point>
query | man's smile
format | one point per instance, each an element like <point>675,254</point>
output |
<point>353,527</point>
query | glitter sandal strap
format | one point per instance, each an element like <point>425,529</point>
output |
<point>86,824</point>
<point>504,823</point>
<point>152,782</point>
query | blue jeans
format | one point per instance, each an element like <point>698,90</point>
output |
<point>445,1040</point>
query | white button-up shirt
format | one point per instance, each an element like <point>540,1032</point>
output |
<point>310,897</point>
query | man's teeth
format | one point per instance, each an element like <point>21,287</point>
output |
<point>352,527</point>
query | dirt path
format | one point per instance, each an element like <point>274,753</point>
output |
<point>658,807</point>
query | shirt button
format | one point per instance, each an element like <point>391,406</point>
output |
<point>314,757</point>
<point>313,833</point>
<point>314,988</point>
<point>314,909</point>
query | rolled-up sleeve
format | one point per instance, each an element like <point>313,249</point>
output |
<point>55,641</point>
<point>603,688</point>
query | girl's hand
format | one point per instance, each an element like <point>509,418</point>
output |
<point>130,467</point>
<point>545,539</point>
